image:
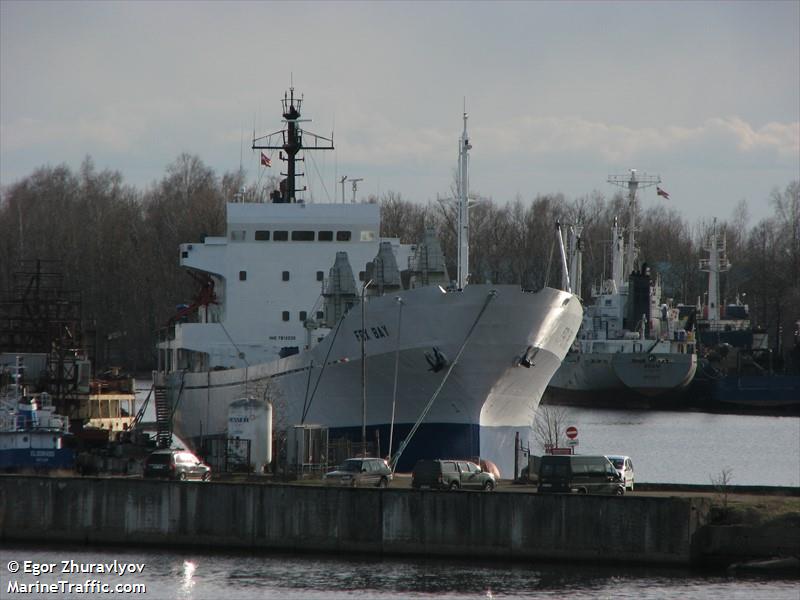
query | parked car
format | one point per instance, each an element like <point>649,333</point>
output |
<point>360,472</point>
<point>624,467</point>
<point>451,475</point>
<point>176,464</point>
<point>579,474</point>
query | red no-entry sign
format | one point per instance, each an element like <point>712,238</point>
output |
<point>572,432</point>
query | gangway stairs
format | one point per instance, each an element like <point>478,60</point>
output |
<point>163,418</point>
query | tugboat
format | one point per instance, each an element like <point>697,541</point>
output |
<point>32,436</point>
<point>383,347</point>
<point>631,348</point>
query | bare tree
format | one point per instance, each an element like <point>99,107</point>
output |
<point>721,483</point>
<point>550,425</point>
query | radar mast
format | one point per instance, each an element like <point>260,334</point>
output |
<point>633,182</point>
<point>291,142</point>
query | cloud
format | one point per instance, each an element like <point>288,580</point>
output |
<point>721,140</point>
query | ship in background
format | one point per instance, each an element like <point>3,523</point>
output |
<point>383,347</point>
<point>632,348</point>
<point>738,370</point>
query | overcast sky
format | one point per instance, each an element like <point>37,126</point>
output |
<point>560,95</point>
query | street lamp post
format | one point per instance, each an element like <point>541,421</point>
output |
<point>400,303</point>
<point>364,370</point>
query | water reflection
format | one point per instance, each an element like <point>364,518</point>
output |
<point>188,578</point>
<point>232,576</point>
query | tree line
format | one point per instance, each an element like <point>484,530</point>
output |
<point>118,244</point>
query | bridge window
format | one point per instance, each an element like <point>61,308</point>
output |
<point>285,275</point>
<point>242,275</point>
<point>237,235</point>
<point>302,236</point>
<point>280,236</point>
<point>367,236</point>
<point>262,236</point>
<point>320,275</point>
<point>303,316</point>
<point>325,236</point>
<point>343,236</point>
<point>285,315</point>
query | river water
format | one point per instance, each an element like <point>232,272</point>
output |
<point>179,575</point>
<point>694,447</point>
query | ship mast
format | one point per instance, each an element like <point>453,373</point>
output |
<point>462,276</point>
<point>633,182</point>
<point>617,250</point>
<point>292,144</point>
<point>716,263</point>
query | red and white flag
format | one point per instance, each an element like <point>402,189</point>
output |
<point>265,161</point>
<point>659,191</point>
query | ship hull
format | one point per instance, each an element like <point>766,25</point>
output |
<point>629,375</point>
<point>33,450</point>
<point>486,399</point>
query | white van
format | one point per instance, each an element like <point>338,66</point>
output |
<point>624,467</point>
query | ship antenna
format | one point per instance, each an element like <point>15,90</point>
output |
<point>633,182</point>
<point>241,149</point>
<point>462,264</point>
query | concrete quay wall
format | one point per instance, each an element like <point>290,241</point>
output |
<point>308,518</point>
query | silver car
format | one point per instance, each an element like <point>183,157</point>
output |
<point>360,472</point>
<point>624,467</point>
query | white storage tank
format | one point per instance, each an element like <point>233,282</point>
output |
<point>251,419</point>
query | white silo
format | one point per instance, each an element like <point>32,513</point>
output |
<point>251,419</point>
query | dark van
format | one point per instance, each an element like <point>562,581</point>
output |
<point>579,474</point>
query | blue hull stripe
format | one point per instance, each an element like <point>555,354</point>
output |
<point>36,458</point>
<point>434,440</point>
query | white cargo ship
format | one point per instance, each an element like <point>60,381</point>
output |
<point>462,366</point>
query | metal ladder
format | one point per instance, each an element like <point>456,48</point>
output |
<point>163,418</point>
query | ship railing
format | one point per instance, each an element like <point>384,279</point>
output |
<point>7,421</point>
<point>726,325</point>
<point>123,385</point>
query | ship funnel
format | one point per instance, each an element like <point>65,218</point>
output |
<point>383,272</point>
<point>339,291</point>
<point>428,263</point>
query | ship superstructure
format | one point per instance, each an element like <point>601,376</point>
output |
<point>305,305</point>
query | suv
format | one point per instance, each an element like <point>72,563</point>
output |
<point>176,464</point>
<point>360,472</point>
<point>581,474</point>
<point>451,475</point>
